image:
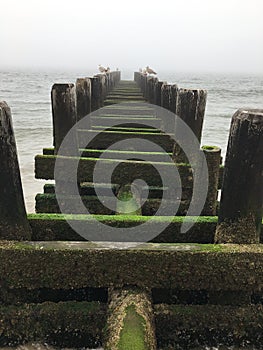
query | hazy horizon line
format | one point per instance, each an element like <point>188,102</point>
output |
<point>44,69</point>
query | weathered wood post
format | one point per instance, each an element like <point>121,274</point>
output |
<point>144,85</point>
<point>240,213</point>
<point>191,109</point>
<point>63,98</point>
<point>213,159</point>
<point>130,323</point>
<point>137,77</point>
<point>101,92</point>
<point>157,92</point>
<point>174,98</point>
<point>13,218</point>
<point>108,82</point>
<point>166,96</point>
<point>95,93</point>
<point>151,91</point>
<point>83,97</point>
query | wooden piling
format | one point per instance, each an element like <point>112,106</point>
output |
<point>13,219</point>
<point>166,96</point>
<point>83,97</point>
<point>174,98</point>
<point>213,158</point>
<point>240,211</point>
<point>63,98</point>
<point>151,90</point>
<point>157,92</point>
<point>191,109</point>
<point>95,93</point>
<point>130,323</point>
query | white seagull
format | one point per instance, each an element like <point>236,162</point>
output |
<point>150,70</point>
<point>102,69</point>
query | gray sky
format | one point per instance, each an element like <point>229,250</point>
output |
<point>182,35</point>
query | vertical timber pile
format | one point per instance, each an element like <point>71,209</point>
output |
<point>213,159</point>
<point>166,96</point>
<point>95,93</point>
<point>130,323</point>
<point>83,97</point>
<point>13,219</point>
<point>63,98</point>
<point>174,98</point>
<point>157,92</point>
<point>191,109</point>
<point>240,213</point>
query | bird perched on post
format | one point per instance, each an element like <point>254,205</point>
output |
<point>150,70</point>
<point>102,69</point>
<point>107,70</point>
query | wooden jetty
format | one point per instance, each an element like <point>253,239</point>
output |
<point>178,290</point>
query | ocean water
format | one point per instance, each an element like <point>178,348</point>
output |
<point>28,95</point>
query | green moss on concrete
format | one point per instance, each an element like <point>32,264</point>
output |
<point>55,226</point>
<point>129,169</point>
<point>128,202</point>
<point>129,129</point>
<point>210,148</point>
<point>132,336</point>
<point>64,324</point>
<point>125,152</point>
<point>200,326</point>
<point>137,218</point>
<point>48,151</point>
<point>83,264</point>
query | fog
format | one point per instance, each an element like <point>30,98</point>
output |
<point>192,35</point>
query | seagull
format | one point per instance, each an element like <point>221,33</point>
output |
<point>107,70</point>
<point>150,71</point>
<point>102,69</point>
<point>140,70</point>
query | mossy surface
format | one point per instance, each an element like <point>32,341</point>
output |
<point>132,336</point>
<point>64,324</point>
<point>130,323</point>
<point>81,264</point>
<point>185,327</point>
<point>126,129</point>
<point>210,148</point>
<point>127,170</point>
<point>175,219</point>
<point>55,226</point>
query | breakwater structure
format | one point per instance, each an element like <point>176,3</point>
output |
<point>162,287</point>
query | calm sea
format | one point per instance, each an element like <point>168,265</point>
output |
<point>28,95</point>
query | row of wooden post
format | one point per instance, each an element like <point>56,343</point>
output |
<point>240,211</point>
<point>188,104</point>
<point>70,103</point>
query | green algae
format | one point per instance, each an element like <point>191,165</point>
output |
<point>124,217</point>
<point>210,148</point>
<point>132,336</point>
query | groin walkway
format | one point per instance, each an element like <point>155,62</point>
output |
<point>127,277</point>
